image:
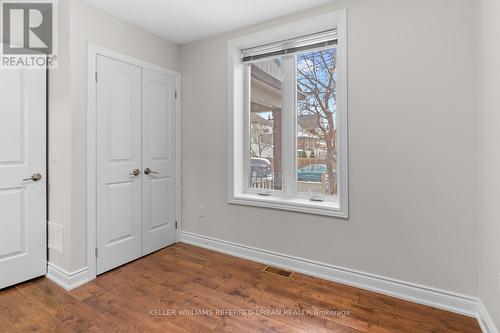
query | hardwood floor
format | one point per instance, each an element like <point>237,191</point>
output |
<point>186,289</point>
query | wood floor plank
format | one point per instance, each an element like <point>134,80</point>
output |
<point>5,326</point>
<point>187,289</point>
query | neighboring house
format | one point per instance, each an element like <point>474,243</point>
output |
<point>308,143</point>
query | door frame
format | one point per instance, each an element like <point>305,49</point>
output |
<point>93,51</point>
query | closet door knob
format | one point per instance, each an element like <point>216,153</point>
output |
<point>148,171</point>
<point>135,172</point>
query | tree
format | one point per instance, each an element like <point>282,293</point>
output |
<point>316,81</point>
<point>259,139</point>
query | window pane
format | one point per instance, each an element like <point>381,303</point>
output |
<point>266,124</point>
<point>316,123</point>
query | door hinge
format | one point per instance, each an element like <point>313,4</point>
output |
<point>175,94</point>
<point>176,225</point>
<point>95,76</point>
<point>96,252</point>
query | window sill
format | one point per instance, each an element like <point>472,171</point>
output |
<point>326,208</point>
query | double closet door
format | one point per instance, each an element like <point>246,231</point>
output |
<point>136,161</point>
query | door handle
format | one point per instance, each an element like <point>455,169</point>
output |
<point>135,172</point>
<point>148,171</point>
<point>35,177</point>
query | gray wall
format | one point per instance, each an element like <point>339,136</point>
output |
<point>411,143</point>
<point>489,158</point>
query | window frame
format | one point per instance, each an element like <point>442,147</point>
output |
<point>239,129</point>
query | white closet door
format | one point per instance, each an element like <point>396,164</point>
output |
<point>22,154</point>
<point>118,155</point>
<point>158,151</point>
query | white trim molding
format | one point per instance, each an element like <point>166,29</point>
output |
<point>93,51</point>
<point>65,279</point>
<point>485,320</point>
<point>238,108</point>
<point>430,296</point>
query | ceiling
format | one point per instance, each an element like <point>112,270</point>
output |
<point>184,21</point>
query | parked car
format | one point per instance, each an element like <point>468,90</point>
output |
<point>312,173</point>
<point>260,167</point>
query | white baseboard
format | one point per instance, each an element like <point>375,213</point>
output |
<point>484,318</point>
<point>66,279</point>
<point>434,297</point>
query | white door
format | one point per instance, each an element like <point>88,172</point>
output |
<point>23,247</point>
<point>118,163</point>
<point>158,153</point>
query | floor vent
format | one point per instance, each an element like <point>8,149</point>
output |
<point>278,271</point>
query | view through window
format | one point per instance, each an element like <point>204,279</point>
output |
<point>266,108</point>
<point>315,112</point>
<point>316,123</point>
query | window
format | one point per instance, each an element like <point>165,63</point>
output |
<point>288,109</point>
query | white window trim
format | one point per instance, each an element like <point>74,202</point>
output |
<point>237,193</point>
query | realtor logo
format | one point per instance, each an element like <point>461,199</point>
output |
<point>28,33</point>
<point>27,28</point>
